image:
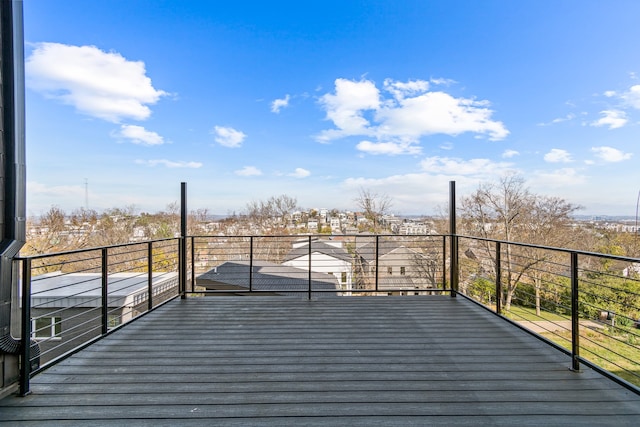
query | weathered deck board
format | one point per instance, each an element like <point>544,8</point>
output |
<point>336,361</point>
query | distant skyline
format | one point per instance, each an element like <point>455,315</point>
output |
<point>246,100</point>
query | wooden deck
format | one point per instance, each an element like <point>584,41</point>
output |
<point>356,361</point>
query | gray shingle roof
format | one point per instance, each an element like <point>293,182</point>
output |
<point>368,251</point>
<point>266,276</point>
<point>319,247</point>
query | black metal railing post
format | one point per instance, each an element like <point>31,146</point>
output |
<point>309,281</point>
<point>498,278</point>
<point>25,366</point>
<point>251,264</point>
<point>150,276</point>
<point>105,293</point>
<point>444,262</point>
<point>377,255</point>
<point>453,244</point>
<point>575,315</point>
<point>193,264</point>
<point>182,252</point>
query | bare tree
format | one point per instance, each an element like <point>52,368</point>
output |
<point>373,205</point>
<point>272,213</point>
<point>508,211</point>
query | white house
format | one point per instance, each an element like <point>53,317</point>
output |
<point>326,257</point>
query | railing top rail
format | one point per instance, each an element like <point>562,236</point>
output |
<point>307,235</point>
<point>319,235</point>
<point>553,248</point>
<point>96,248</point>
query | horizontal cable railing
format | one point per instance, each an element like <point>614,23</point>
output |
<point>70,299</point>
<point>319,266</point>
<point>585,304</point>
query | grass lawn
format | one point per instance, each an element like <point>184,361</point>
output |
<point>618,354</point>
<point>529,314</point>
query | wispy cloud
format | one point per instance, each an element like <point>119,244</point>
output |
<point>612,118</point>
<point>507,154</point>
<point>610,154</point>
<point>455,166</point>
<point>300,173</point>
<point>389,148</point>
<point>558,178</point>
<point>170,163</point>
<point>139,135</point>
<point>279,104</point>
<point>228,136</point>
<point>248,171</point>
<point>74,191</point>
<point>99,84</point>
<point>557,155</point>
<point>566,118</point>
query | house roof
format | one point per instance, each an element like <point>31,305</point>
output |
<point>368,251</point>
<point>319,247</point>
<point>59,289</point>
<point>388,283</point>
<point>266,276</point>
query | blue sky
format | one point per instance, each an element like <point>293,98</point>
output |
<point>245,100</point>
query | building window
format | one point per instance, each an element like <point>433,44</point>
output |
<point>402,271</point>
<point>46,327</point>
<point>389,271</point>
<point>113,320</point>
<point>343,277</point>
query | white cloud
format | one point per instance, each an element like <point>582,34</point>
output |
<point>612,118</point>
<point>400,90</point>
<point>249,171</point>
<point>632,96</point>
<point>558,178</point>
<point>345,108</point>
<point>413,192</point>
<point>455,166</point>
<point>300,173</point>
<point>99,84</point>
<point>566,118</point>
<point>279,104</point>
<point>557,155</point>
<point>357,108</point>
<point>228,136</point>
<point>139,135</point>
<point>442,81</point>
<point>446,146</point>
<point>610,154</point>
<point>56,191</point>
<point>439,112</point>
<point>170,163</point>
<point>390,148</point>
<point>507,154</point>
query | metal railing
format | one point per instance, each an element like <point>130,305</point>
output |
<point>313,266</point>
<point>71,299</point>
<point>583,303</point>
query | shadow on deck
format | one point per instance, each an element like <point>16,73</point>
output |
<point>338,361</point>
